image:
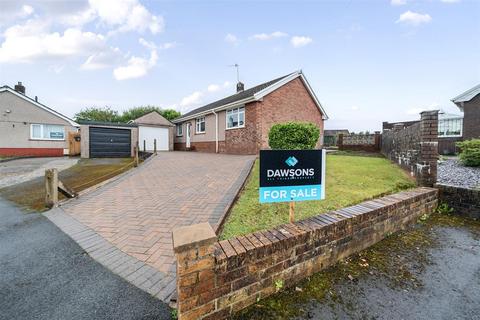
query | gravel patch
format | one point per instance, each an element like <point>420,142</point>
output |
<point>452,172</point>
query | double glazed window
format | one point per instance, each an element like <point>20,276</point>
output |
<point>47,132</point>
<point>236,118</point>
<point>200,125</point>
<point>450,127</point>
<point>179,130</point>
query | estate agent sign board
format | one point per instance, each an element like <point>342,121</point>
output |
<point>292,175</point>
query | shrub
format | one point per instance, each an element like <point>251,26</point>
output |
<point>293,135</point>
<point>470,152</point>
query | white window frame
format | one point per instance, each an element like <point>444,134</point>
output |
<point>180,126</point>
<point>442,125</point>
<point>239,110</point>
<point>42,127</point>
<point>198,123</point>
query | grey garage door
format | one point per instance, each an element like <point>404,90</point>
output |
<point>109,142</point>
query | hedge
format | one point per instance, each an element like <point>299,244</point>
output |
<point>470,152</point>
<point>293,136</point>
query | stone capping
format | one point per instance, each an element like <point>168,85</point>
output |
<point>218,278</point>
<point>189,237</point>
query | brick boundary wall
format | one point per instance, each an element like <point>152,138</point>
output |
<point>464,201</point>
<point>349,142</point>
<point>217,279</point>
<point>415,148</point>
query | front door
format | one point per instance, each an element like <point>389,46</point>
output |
<point>188,136</point>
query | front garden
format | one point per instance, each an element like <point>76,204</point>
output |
<point>350,179</point>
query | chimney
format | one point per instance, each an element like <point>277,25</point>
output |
<point>240,86</point>
<point>36,99</point>
<point>20,87</point>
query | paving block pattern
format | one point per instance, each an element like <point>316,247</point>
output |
<point>133,217</point>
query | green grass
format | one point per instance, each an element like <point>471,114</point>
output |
<point>350,180</point>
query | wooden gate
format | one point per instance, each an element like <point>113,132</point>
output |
<point>74,143</point>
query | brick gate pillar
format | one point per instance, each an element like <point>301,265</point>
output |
<point>427,166</point>
<point>194,250</point>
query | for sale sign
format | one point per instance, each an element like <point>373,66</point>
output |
<point>292,175</point>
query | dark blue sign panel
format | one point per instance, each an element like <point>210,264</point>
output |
<point>292,175</point>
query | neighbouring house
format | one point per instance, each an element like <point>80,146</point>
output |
<point>239,124</point>
<point>30,128</point>
<point>154,127</point>
<point>449,130</point>
<point>469,103</point>
<point>330,137</point>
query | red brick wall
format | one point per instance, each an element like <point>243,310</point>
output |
<point>33,152</point>
<point>291,102</point>
<point>245,140</point>
<point>203,146</point>
<point>217,279</point>
<point>471,119</point>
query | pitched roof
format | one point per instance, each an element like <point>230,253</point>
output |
<point>38,104</point>
<point>252,94</point>
<point>153,118</point>
<point>466,96</point>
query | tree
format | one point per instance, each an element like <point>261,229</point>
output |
<point>105,114</point>
<point>170,114</point>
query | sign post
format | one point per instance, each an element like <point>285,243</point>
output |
<point>291,176</point>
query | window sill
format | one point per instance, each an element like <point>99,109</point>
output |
<point>196,133</point>
<point>33,139</point>
<point>235,128</point>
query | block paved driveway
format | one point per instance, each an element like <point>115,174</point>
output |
<point>137,213</point>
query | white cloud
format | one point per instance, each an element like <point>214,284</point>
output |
<point>231,38</point>
<point>103,59</point>
<point>213,88</point>
<point>227,84</point>
<point>269,36</point>
<point>355,108</point>
<point>33,41</point>
<point>300,41</point>
<point>450,1</point>
<point>127,15</point>
<point>398,2</point>
<point>26,11</point>
<point>192,99</point>
<point>136,67</point>
<point>414,18</point>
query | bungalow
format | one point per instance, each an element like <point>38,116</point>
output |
<point>30,128</point>
<point>469,103</point>
<point>239,124</point>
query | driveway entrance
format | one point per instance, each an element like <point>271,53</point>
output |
<point>131,219</point>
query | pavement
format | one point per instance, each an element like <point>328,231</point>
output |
<point>126,225</point>
<point>430,271</point>
<point>21,170</point>
<point>46,275</point>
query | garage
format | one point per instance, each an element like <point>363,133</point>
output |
<point>110,142</point>
<point>153,126</point>
<point>148,135</point>
<point>107,140</point>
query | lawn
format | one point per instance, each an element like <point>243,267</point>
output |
<point>30,195</point>
<point>350,180</point>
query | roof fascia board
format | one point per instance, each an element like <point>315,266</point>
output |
<point>467,95</point>
<point>71,122</point>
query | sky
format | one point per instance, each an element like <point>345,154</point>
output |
<point>368,61</point>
